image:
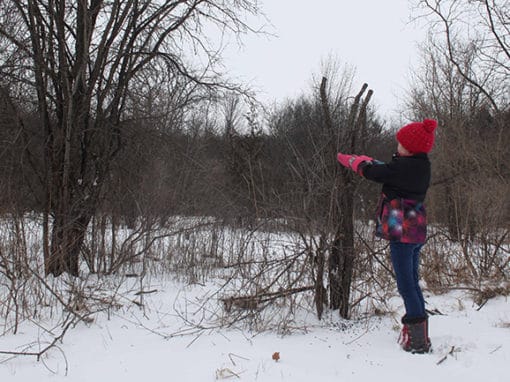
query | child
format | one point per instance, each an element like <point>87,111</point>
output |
<point>401,219</point>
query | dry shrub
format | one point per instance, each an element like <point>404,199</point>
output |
<point>472,262</point>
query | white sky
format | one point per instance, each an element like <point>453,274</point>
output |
<point>373,36</point>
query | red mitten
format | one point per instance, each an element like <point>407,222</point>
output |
<point>345,159</point>
<point>352,161</point>
<point>359,160</point>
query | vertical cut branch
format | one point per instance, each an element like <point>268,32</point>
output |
<point>341,259</point>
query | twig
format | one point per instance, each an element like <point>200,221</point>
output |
<point>434,312</point>
<point>254,300</point>
<point>230,355</point>
<point>146,292</point>
<point>482,304</point>
<point>357,338</point>
<point>69,308</point>
<point>39,354</point>
<point>194,339</point>
<point>495,350</point>
<point>446,356</point>
<point>226,373</point>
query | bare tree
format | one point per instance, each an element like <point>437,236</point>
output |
<point>478,28</point>
<point>313,192</point>
<point>464,82</point>
<point>82,60</point>
<point>341,214</point>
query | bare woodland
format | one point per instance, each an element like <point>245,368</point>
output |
<point>120,159</point>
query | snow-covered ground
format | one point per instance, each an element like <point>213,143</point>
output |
<point>155,344</point>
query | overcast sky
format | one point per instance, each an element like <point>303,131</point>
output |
<point>374,36</point>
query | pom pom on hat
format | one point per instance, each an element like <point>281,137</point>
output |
<point>418,137</point>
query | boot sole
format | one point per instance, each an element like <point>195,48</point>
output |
<point>419,351</point>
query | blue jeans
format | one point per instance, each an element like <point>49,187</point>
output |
<point>406,260</point>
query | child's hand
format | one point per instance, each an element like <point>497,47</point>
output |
<point>345,159</point>
<point>352,161</point>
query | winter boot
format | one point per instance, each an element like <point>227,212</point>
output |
<point>414,337</point>
<point>403,338</point>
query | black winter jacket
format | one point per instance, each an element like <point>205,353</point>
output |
<point>404,177</point>
<point>401,214</point>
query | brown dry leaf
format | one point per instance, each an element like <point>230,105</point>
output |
<point>276,356</point>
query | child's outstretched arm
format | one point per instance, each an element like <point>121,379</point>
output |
<point>367,167</point>
<point>353,162</point>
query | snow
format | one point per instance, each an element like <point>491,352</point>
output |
<point>158,343</point>
<point>178,330</point>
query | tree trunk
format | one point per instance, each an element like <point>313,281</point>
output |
<point>341,258</point>
<point>66,242</point>
<point>320,292</point>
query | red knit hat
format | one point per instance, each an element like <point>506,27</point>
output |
<point>418,137</point>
